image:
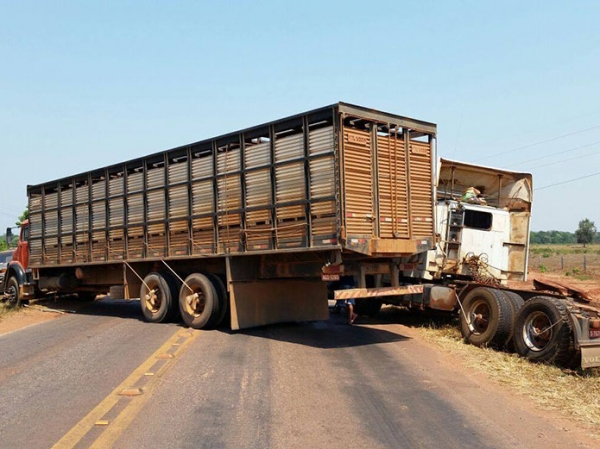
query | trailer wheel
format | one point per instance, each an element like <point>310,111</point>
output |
<point>222,297</point>
<point>199,302</point>
<point>516,302</point>
<point>13,293</point>
<point>368,307</point>
<point>490,314</point>
<point>156,298</point>
<point>543,332</point>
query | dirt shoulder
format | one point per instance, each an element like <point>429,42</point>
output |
<point>36,312</point>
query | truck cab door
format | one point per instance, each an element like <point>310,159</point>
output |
<point>22,252</point>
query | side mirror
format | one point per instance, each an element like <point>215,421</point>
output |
<point>9,236</point>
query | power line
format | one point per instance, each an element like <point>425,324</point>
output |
<point>536,143</point>
<point>566,160</point>
<point>555,154</point>
<point>567,181</point>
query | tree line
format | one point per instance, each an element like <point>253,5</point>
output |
<point>585,233</point>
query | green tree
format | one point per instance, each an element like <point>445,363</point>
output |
<point>24,216</point>
<point>586,232</point>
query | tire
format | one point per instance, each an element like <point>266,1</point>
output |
<point>543,331</point>
<point>87,296</point>
<point>200,306</point>
<point>368,307</point>
<point>516,302</point>
<point>490,313</point>
<point>156,298</point>
<point>222,297</point>
<point>13,292</point>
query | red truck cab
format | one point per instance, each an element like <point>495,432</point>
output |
<point>16,280</point>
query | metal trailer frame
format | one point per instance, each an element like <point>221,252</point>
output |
<point>195,207</point>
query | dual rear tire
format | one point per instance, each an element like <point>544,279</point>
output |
<point>201,299</point>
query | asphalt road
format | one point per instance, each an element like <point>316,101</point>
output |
<point>317,385</point>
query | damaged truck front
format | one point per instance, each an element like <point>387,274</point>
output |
<point>477,268</point>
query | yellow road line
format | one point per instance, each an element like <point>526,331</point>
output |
<point>126,416</point>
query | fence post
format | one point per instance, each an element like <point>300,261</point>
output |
<point>562,263</point>
<point>584,264</point>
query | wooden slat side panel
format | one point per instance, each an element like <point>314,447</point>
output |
<point>135,209</point>
<point>202,167</point>
<point>258,188</point>
<point>228,161</point>
<point>290,183</point>
<point>66,220</point>
<point>178,238</point>
<point>99,215</point>
<point>202,197</point>
<point>322,177</point>
<point>393,188</point>
<point>358,178</point>
<point>229,193</point>
<point>116,212</point>
<point>257,154</point>
<point>178,202</point>
<point>178,171</point>
<point>155,205</point>
<point>320,141</point>
<point>420,188</point>
<point>288,148</point>
<point>203,236</point>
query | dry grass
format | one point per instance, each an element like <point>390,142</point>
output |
<point>576,394</point>
<point>5,311</point>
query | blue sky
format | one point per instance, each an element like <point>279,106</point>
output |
<point>86,84</point>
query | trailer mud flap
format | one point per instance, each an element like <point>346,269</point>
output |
<point>257,303</point>
<point>590,356</point>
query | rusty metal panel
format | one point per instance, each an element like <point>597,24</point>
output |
<point>393,187</point>
<point>517,248</point>
<point>358,182</point>
<point>421,194</point>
